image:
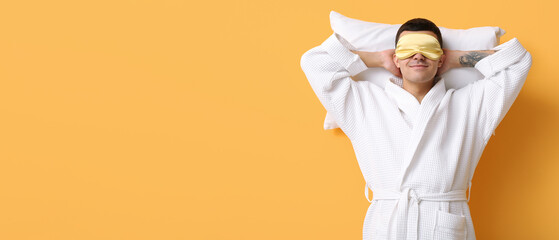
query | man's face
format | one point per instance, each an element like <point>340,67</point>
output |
<point>418,68</point>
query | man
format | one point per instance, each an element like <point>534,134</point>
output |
<point>417,144</point>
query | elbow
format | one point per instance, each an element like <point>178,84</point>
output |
<point>306,60</point>
<point>310,59</point>
<point>529,56</point>
<point>527,59</point>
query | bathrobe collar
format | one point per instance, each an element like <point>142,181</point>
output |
<point>407,102</point>
<point>420,114</point>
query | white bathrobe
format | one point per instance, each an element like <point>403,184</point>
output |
<point>418,159</point>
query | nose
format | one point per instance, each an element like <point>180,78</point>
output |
<point>418,56</point>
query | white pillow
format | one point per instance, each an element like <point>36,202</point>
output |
<point>369,36</point>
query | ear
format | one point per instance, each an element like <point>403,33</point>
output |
<point>396,60</point>
<point>441,60</point>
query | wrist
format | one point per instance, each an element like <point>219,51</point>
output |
<point>453,58</point>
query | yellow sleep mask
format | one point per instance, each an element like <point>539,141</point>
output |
<point>412,43</point>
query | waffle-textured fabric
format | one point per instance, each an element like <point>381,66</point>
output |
<point>417,158</point>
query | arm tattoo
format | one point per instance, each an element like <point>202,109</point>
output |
<point>470,59</point>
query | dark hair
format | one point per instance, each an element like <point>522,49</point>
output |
<point>420,24</point>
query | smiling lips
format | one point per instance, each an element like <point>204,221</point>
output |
<point>418,66</point>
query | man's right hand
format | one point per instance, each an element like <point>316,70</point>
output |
<point>381,59</point>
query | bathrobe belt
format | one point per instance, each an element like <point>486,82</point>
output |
<point>408,207</point>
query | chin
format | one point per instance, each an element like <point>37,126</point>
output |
<point>416,79</point>
<point>419,78</point>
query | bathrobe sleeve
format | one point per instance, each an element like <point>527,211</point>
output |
<point>504,74</point>
<point>329,68</point>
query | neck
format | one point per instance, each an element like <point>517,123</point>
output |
<point>418,90</point>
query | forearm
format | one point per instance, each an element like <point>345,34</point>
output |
<point>371,59</point>
<point>471,58</point>
<point>457,59</point>
<point>381,59</point>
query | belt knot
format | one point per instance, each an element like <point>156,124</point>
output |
<point>412,195</point>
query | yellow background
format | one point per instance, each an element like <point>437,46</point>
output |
<point>176,119</point>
